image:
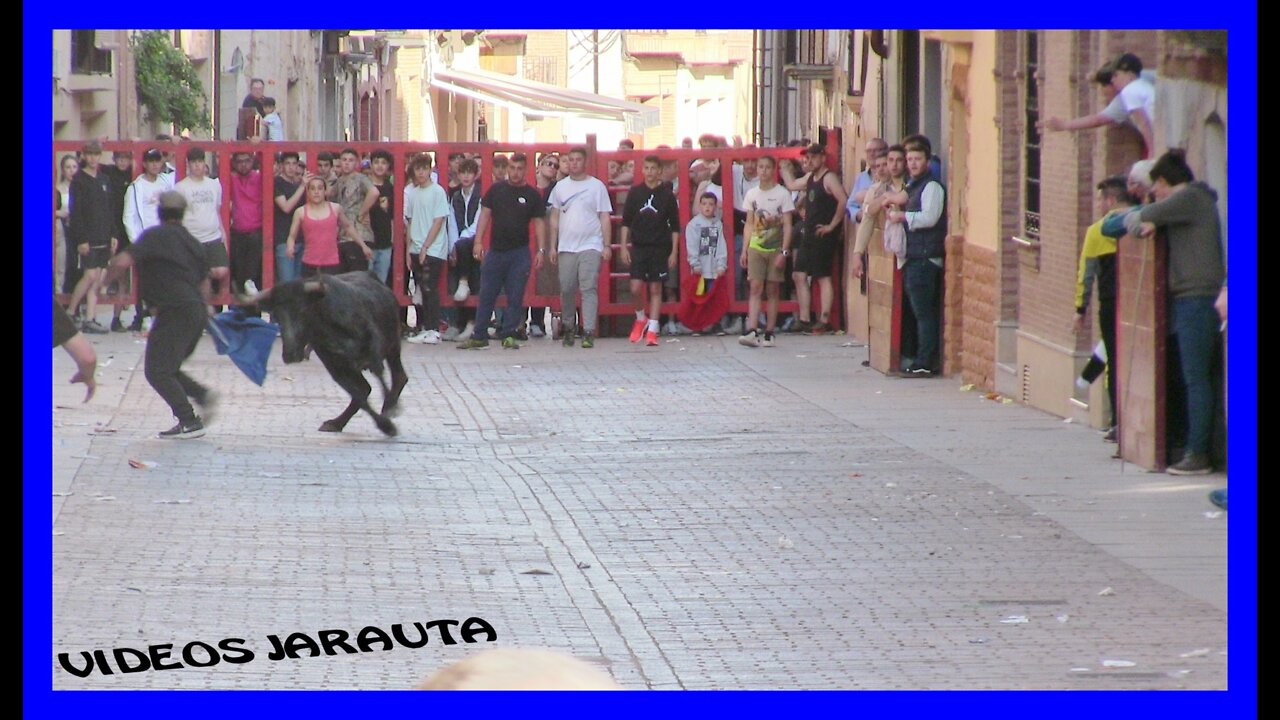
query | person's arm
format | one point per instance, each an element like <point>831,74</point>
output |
<point>370,199</point>
<point>789,180</point>
<point>293,231</point>
<point>748,232</point>
<point>436,226</point>
<point>606,231</point>
<point>781,259</point>
<point>118,266</point>
<point>833,186</point>
<point>1143,123</point>
<point>540,237</point>
<point>1113,224</point>
<point>1085,122</point>
<point>132,218</point>
<point>624,245</point>
<point>482,224</point>
<point>1177,209</point>
<point>931,201</point>
<point>553,230</point>
<point>290,203</point>
<point>853,205</point>
<point>1088,270</point>
<point>78,221</point>
<point>722,251</point>
<point>349,228</point>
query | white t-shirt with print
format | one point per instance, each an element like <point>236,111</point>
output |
<point>580,203</point>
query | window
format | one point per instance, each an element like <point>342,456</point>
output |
<point>86,57</point>
<point>857,70</point>
<point>1031,145</point>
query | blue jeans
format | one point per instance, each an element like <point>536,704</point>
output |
<point>288,268</point>
<point>381,264</point>
<point>503,270</point>
<point>921,281</point>
<point>1196,324</point>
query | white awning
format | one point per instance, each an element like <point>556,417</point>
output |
<point>542,100</point>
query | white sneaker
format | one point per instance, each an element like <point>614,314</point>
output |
<point>451,335</point>
<point>464,291</point>
<point>430,337</point>
<point>467,331</point>
<point>418,337</point>
<point>669,328</point>
<point>735,327</point>
<point>751,339</point>
<point>250,288</point>
<point>536,331</point>
<point>682,329</point>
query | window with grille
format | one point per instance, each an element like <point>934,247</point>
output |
<point>1031,149</point>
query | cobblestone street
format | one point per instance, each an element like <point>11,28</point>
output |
<point>697,515</point>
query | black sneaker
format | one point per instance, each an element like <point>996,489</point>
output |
<point>567,340</point>
<point>1192,464</point>
<point>193,429</point>
<point>588,341</point>
<point>92,327</point>
<point>136,325</point>
<point>208,406</point>
<point>1112,435</point>
<point>919,371</point>
<point>472,344</point>
<point>116,325</point>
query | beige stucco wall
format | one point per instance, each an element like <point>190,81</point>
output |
<point>983,222</point>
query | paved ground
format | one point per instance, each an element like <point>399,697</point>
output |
<point>701,515</point>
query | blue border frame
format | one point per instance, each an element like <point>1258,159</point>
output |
<point>1241,700</point>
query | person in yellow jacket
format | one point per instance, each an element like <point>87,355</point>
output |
<point>1098,264</point>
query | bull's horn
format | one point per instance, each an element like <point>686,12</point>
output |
<point>313,287</point>
<point>255,298</point>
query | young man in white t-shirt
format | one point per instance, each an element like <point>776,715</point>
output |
<point>579,210</point>
<point>203,217</point>
<point>425,209</point>
<point>1130,95</point>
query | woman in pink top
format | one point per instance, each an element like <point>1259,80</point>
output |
<point>318,220</point>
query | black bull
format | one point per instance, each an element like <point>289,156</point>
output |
<point>352,322</point>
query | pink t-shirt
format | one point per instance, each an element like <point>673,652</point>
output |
<point>246,202</point>
<point>320,236</point>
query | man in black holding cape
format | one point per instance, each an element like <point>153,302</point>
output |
<point>174,278</point>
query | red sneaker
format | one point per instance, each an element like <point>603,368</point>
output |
<point>651,338</point>
<point>637,330</point>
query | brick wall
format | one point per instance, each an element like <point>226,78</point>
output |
<point>972,303</point>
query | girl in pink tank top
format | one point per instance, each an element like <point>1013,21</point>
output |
<point>318,221</point>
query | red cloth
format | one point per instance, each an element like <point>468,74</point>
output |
<point>699,312</point>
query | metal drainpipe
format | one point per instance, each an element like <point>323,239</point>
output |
<point>216,84</point>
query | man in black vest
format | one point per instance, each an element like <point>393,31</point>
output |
<point>925,216</point>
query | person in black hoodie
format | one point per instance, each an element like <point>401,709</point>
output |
<point>92,230</point>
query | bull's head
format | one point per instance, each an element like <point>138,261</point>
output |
<point>290,307</point>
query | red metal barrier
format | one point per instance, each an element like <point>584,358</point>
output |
<point>614,301</point>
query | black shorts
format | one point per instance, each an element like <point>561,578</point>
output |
<point>63,328</point>
<point>818,255</point>
<point>215,254</point>
<point>97,258</point>
<point>650,263</point>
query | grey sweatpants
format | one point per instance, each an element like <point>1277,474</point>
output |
<point>579,271</point>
